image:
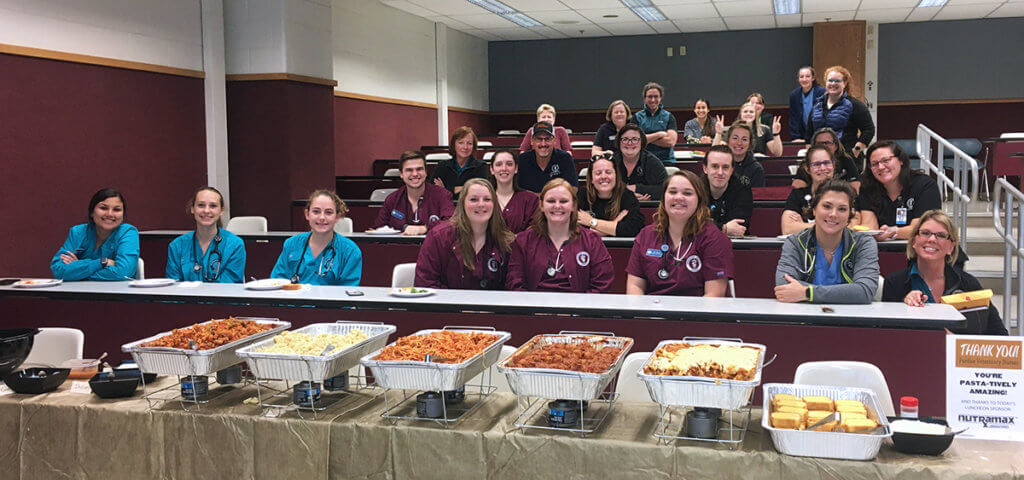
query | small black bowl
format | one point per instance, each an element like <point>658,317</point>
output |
<point>36,380</point>
<point>113,385</point>
<point>919,443</point>
<point>15,344</point>
<point>130,368</point>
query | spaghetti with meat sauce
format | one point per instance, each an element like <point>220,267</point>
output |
<point>446,346</point>
<point>210,335</point>
<point>582,357</point>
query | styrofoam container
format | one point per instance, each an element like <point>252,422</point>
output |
<point>812,443</point>
<point>690,391</point>
<point>315,368</point>
<point>420,375</point>
<point>179,361</point>
<point>558,383</point>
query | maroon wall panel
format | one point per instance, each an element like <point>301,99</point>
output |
<point>964,120</point>
<point>280,146</point>
<point>480,122</point>
<point>366,130</point>
<point>69,129</point>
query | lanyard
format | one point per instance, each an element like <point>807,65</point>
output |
<point>324,268</point>
<point>213,273</point>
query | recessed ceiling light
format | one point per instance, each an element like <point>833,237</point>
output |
<point>931,3</point>
<point>506,12</point>
<point>645,10</point>
<point>787,7</point>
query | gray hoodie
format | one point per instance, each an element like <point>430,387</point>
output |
<point>859,269</point>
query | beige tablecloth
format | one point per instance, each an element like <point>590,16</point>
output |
<point>72,435</point>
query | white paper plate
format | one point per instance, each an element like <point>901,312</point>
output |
<point>782,237</point>
<point>267,284</point>
<point>384,231</point>
<point>870,232</point>
<point>152,282</point>
<point>402,292</point>
<point>37,282</point>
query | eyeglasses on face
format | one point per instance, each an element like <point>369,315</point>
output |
<point>883,161</point>
<point>928,233</point>
<point>631,140</point>
<point>835,80</point>
<point>822,164</point>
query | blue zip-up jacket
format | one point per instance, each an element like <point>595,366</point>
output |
<point>223,262</point>
<point>345,268</point>
<point>122,246</point>
<point>835,118</point>
<point>797,115</point>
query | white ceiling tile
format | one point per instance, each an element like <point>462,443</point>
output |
<point>449,7</point>
<point>660,3</point>
<point>744,8</point>
<point>688,12</point>
<point>588,30</point>
<point>956,12</point>
<point>994,3</point>
<point>534,5</point>
<point>1009,10</point>
<point>517,33</point>
<point>622,15</point>
<point>550,18</point>
<point>664,26</point>
<point>814,6</point>
<point>631,28</point>
<point>548,32</point>
<point>883,15</point>
<point>581,4</point>
<point>450,22</point>
<point>751,22</point>
<point>786,21</point>
<point>811,18</point>
<point>921,14</point>
<point>484,34</point>
<point>409,7</point>
<point>872,4</point>
<point>702,25</point>
<point>483,21</point>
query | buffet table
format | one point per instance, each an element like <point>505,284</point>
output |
<point>65,434</point>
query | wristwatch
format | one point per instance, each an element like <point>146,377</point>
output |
<point>593,222</point>
<point>807,293</point>
<point>104,262</point>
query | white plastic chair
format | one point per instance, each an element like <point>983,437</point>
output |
<point>140,270</point>
<point>484,143</point>
<point>380,194</point>
<point>392,172</point>
<point>847,374</point>
<point>509,132</point>
<point>878,293</point>
<point>671,170</point>
<point>55,345</point>
<point>247,225</point>
<point>582,143</point>
<point>732,288</point>
<point>793,169</point>
<point>1012,136</point>
<point>403,275</point>
<point>629,386</point>
<point>499,380</point>
<point>488,156</point>
<point>438,156</point>
<point>583,172</point>
<point>343,226</point>
<point>802,152</point>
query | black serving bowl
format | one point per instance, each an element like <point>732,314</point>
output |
<point>919,443</point>
<point>15,344</point>
<point>36,380</point>
<point>131,369</point>
<point>113,385</point>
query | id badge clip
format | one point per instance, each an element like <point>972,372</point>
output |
<point>901,216</point>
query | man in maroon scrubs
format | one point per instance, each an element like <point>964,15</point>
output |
<point>417,206</point>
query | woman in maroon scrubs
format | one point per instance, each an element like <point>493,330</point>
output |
<point>517,205</point>
<point>470,251</point>
<point>682,252</point>
<point>555,254</point>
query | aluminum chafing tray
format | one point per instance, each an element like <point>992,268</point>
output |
<point>179,361</point>
<point>421,375</point>
<point>685,390</point>
<point>812,443</point>
<point>315,368</point>
<point>555,383</point>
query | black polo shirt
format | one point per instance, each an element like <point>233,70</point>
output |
<point>737,201</point>
<point>532,178</point>
<point>799,201</point>
<point>920,195</point>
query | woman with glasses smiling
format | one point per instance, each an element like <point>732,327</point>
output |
<point>933,250</point>
<point>820,165</point>
<point>840,111</point>
<point>846,168</point>
<point>642,172</point>
<point>892,196</point>
<point>321,257</point>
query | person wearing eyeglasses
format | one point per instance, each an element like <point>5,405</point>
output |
<point>731,203</point>
<point>545,162</point>
<point>642,172</point>
<point>892,196</point>
<point>604,140</point>
<point>321,256</point>
<point>559,136</point>
<point>452,173</point>
<point>517,205</point>
<point>933,249</point>
<point>700,129</point>
<point>605,205</point>
<point>682,252</point>
<point>801,100</point>
<point>828,262</point>
<point>842,112</point>
<point>469,252</point>
<point>658,123</point>
<point>418,205</point>
<point>846,167</point>
<point>555,254</point>
<point>210,253</point>
<point>820,165</point>
<point>105,248</point>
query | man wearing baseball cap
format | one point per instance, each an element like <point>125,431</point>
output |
<point>545,162</point>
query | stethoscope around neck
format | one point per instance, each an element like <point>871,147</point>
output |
<point>213,273</point>
<point>677,259</point>
<point>326,262</point>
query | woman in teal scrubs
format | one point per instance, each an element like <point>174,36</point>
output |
<point>210,253</point>
<point>321,257</point>
<point>105,248</point>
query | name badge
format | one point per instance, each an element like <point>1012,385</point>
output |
<point>654,252</point>
<point>397,214</point>
<point>901,216</point>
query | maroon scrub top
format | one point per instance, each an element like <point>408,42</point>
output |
<point>518,212</point>
<point>435,206</point>
<point>709,258</point>
<point>439,264</point>
<point>586,266</point>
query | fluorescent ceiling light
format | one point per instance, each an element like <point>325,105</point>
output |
<point>787,7</point>
<point>506,12</point>
<point>932,3</point>
<point>645,10</point>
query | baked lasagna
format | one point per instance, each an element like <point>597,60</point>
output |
<point>730,362</point>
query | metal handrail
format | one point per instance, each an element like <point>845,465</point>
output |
<point>1003,218</point>
<point>964,183</point>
